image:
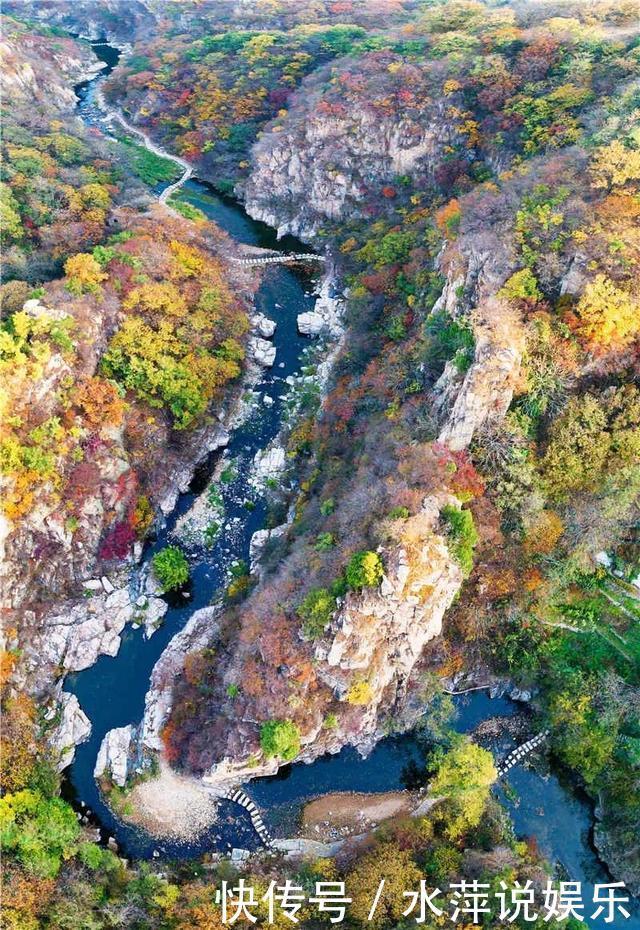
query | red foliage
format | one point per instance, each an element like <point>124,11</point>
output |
<point>118,541</point>
<point>388,192</point>
<point>464,477</point>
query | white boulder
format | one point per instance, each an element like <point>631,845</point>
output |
<point>113,757</point>
<point>310,323</point>
<point>263,325</point>
<point>73,728</point>
<point>262,351</point>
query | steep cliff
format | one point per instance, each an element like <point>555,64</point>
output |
<point>348,134</point>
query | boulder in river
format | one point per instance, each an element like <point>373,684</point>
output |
<point>261,351</point>
<point>310,323</point>
<point>73,728</point>
<point>263,325</point>
<point>113,756</point>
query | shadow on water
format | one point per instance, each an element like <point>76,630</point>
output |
<point>112,692</point>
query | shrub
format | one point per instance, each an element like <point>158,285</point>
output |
<point>280,738</point>
<point>316,611</point>
<point>448,339</point>
<point>360,693</point>
<point>327,507</point>
<point>365,570</point>
<point>171,568</point>
<point>324,542</point>
<point>463,536</point>
<point>399,513</point>
<point>521,286</point>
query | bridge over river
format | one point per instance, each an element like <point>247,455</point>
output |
<point>282,259</point>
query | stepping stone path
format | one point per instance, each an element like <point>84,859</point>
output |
<point>238,796</point>
<point>521,752</point>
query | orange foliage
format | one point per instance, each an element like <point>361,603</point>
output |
<point>100,402</point>
<point>543,532</point>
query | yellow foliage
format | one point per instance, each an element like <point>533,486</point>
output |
<point>615,164</point>
<point>189,261</point>
<point>360,693</point>
<point>84,273</point>
<point>161,297</point>
<point>607,315</point>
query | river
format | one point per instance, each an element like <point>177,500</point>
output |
<point>112,692</point>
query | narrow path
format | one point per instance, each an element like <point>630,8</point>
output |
<point>112,115</point>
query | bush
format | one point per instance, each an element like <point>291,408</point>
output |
<point>360,693</point>
<point>365,570</point>
<point>448,339</point>
<point>280,738</point>
<point>521,286</point>
<point>171,568</point>
<point>316,611</point>
<point>463,536</point>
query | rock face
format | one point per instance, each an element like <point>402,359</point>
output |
<point>199,632</point>
<point>73,728</point>
<point>35,70</point>
<point>111,19</point>
<point>487,389</point>
<point>319,167</point>
<point>380,633</point>
<point>374,639</point>
<point>113,756</point>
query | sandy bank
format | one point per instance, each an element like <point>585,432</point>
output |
<point>172,805</point>
<point>348,813</point>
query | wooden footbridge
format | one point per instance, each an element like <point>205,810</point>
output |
<point>281,259</point>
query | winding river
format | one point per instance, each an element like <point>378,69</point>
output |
<point>112,692</point>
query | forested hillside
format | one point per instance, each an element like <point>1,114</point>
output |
<point>458,500</point>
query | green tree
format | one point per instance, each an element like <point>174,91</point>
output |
<point>463,536</point>
<point>365,570</point>
<point>40,832</point>
<point>280,738</point>
<point>171,568</point>
<point>316,611</point>
<point>463,777</point>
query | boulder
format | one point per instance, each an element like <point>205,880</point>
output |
<point>113,756</point>
<point>262,351</point>
<point>310,323</point>
<point>73,728</point>
<point>268,463</point>
<point>263,325</point>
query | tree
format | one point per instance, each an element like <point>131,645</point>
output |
<point>521,286</point>
<point>316,611</point>
<point>594,439</point>
<point>463,776</point>
<point>84,273</point>
<point>171,568</point>
<point>615,164</point>
<point>463,536</point>
<point>280,738</point>
<point>365,570</point>
<point>360,693</point>
<point>606,314</point>
<point>386,861</point>
<point>40,832</point>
